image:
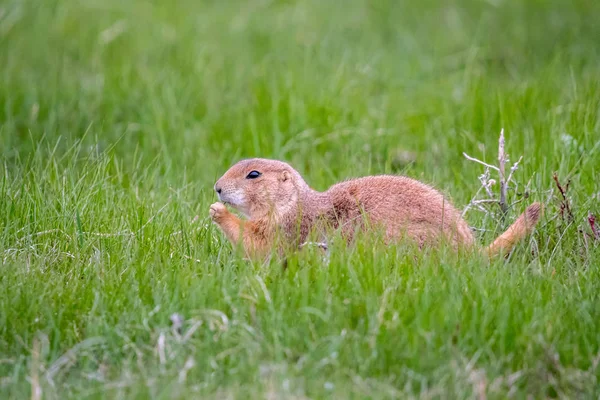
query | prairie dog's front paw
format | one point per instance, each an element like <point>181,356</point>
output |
<point>218,211</point>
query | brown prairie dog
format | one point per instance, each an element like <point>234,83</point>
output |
<point>279,204</point>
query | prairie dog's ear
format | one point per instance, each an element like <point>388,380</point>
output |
<point>285,175</point>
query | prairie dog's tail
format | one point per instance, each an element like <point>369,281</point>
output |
<point>517,231</point>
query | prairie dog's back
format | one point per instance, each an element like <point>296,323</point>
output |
<point>402,206</point>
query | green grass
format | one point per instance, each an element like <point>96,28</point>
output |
<point>116,118</point>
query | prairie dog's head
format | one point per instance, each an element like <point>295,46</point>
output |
<point>258,187</point>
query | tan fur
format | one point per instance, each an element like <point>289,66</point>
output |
<point>522,227</point>
<point>279,202</point>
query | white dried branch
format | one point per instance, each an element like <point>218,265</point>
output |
<point>485,201</point>
<point>191,331</point>
<point>188,258</point>
<point>481,208</point>
<point>512,170</point>
<point>189,364</point>
<point>322,245</point>
<point>177,322</point>
<point>501,170</point>
<point>160,348</point>
<point>100,234</point>
<point>468,157</point>
<point>479,229</point>
<point>486,182</point>
<point>505,178</point>
<point>36,389</point>
<point>69,358</point>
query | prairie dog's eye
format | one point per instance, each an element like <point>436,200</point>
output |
<point>253,175</point>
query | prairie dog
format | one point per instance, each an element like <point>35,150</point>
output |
<point>279,203</point>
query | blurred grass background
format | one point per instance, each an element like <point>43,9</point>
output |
<point>117,117</point>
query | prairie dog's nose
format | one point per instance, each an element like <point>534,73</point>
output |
<point>218,189</point>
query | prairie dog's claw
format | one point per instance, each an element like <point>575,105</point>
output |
<point>218,211</point>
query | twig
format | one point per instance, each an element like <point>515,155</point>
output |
<point>564,204</point>
<point>36,389</point>
<point>46,232</point>
<point>468,157</point>
<point>595,229</point>
<point>513,169</point>
<point>484,201</point>
<point>101,234</point>
<point>486,182</point>
<point>69,358</point>
<point>189,364</point>
<point>322,245</point>
<point>501,170</point>
<point>176,323</point>
<point>160,348</point>
<point>585,239</point>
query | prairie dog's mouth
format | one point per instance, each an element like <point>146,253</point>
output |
<point>234,199</point>
<point>230,204</point>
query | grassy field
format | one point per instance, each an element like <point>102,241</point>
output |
<point>116,118</point>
